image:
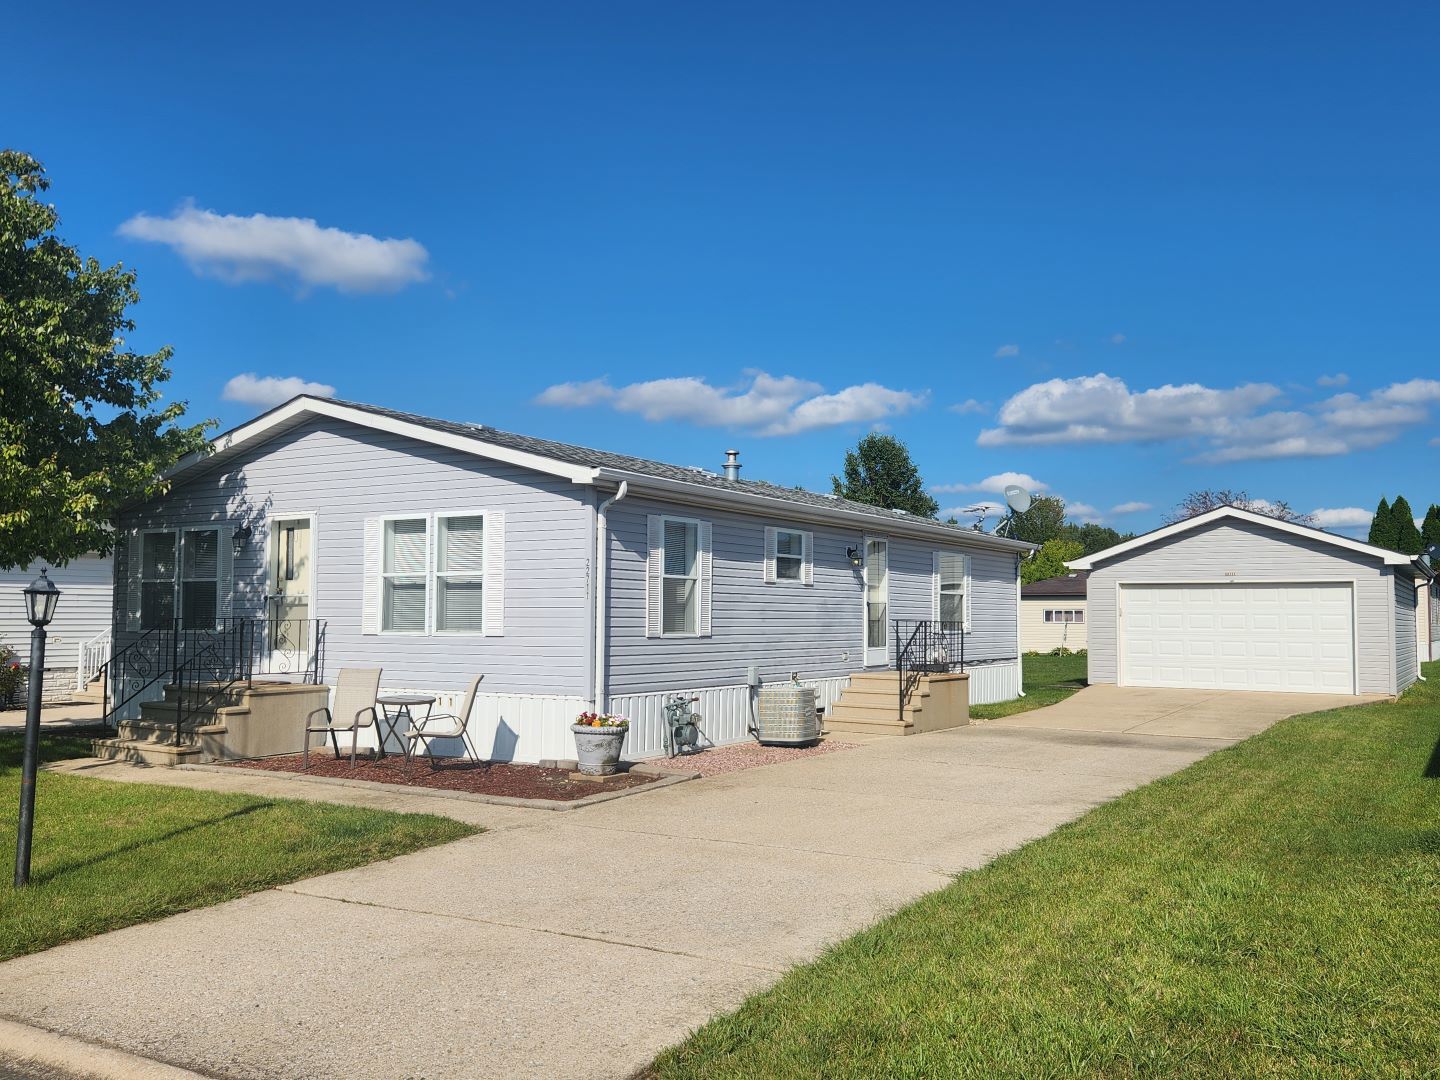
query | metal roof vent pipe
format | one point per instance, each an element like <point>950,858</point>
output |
<point>732,464</point>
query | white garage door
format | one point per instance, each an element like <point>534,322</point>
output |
<point>1295,638</point>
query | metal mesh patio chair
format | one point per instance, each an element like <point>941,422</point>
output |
<point>354,708</point>
<point>445,726</point>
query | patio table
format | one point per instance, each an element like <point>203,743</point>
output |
<point>401,704</point>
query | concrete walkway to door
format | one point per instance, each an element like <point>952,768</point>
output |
<point>572,944</point>
<point>1188,714</point>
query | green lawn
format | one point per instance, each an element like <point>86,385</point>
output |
<point>1273,910</point>
<point>109,854</point>
<point>1046,680</point>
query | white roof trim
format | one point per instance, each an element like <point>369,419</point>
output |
<point>262,426</point>
<point>1385,555</point>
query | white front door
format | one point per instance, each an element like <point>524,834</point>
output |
<point>1291,637</point>
<point>877,602</point>
<point>289,594</point>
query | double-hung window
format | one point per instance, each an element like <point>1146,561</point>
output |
<point>951,588</point>
<point>180,579</point>
<point>403,575</point>
<point>789,555</point>
<point>460,575</point>
<point>680,577</point>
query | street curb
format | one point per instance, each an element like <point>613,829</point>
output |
<point>21,1044</point>
<point>666,779</point>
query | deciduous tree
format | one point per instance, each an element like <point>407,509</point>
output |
<point>82,427</point>
<point>1202,502</point>
<point>1051,560</point>
<point>880,472</point>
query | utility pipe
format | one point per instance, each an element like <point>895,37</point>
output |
<point>602,589</point>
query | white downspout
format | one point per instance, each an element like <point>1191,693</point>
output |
<point>602,591</point>
<point>1019,653</point>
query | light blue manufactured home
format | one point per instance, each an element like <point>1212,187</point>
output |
<point>571,578</point>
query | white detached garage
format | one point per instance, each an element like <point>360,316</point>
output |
<point>1233,600</point>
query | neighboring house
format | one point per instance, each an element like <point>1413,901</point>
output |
<point>1428,624</point>
<point>571,578</point>
<point>82,617</point>
<point>1234,600</point>
<point>1052,613</point>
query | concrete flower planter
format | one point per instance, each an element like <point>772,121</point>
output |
<point>597,749</point>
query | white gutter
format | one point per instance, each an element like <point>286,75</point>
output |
<point>602,591</point>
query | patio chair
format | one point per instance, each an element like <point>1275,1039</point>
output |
<point>354,708</point>
<point>445,726</point>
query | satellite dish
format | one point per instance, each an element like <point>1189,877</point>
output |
<point>1017,498</point>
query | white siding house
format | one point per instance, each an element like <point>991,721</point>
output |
<point>82,617</point>
<point>1236,600</point>
<point>571,578</point>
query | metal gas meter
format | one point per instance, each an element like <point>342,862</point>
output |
<point>682,726</point>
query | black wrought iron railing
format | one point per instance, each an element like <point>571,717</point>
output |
<point>203,667</point>
<point>926,647</point>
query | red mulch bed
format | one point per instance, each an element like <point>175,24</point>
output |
<point>479,778</point>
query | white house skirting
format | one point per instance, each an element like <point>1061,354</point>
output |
<point>990,683</point>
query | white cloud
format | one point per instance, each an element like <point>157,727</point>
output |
<point>766,404</point>
<point>261,248</point>
<point>1341,517</point>
<point>1118,339</point>
<point>1007,350</point>
<point>1083,513</point>
<point>994,484</point>
<point>971,406</point>
<point>1131,508</point>
<point>270,390</point>
<point>1228,424</point>
<point>1338,379</point>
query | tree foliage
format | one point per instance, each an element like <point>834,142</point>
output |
<point>82,428</point>
<point>880,472</point>
<point>1407,535</point>
<point>1202,502</point>
<point>1092,537</point>
<point>1051,560</point>
<point>1430,530</point>
<point>1382,526</point>
<point>1043,521</point>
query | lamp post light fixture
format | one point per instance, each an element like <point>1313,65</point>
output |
<point>41,596</point>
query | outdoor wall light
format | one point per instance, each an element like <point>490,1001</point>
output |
<point>240,539</point>
<point>853,554</point>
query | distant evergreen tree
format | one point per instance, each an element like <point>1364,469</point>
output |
<point>1430,531</point>
<point>1382,526</point>
<point>1407,536</point>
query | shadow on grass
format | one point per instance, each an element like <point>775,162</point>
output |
<point>1432,767</point>
<point>54,873</point>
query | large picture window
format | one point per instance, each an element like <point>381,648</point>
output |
<point>680,577</point>
<point>403,572</point>
<point>180,579</point>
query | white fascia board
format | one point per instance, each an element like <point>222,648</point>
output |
<point>785,509</point>
<point>263,426</point>
<point>1390,558</point>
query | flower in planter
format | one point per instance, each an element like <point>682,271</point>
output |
<point>601,720</point>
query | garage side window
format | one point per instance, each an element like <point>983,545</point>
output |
<point>1064,615</point>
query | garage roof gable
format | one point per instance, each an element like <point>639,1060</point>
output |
<point>1385,555</point>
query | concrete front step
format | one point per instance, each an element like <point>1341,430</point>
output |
<point>843,725</point>
<point>146,753</point>
<point>143,731</point>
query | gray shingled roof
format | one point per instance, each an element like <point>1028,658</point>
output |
<point>1072,584</point>
<point>604,459</point>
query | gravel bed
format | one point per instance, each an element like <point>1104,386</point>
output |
<point>727,759</point>
<point>479,778</point>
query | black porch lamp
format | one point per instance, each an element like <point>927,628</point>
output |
<point>41,596</point>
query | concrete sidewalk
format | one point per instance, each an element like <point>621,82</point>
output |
<point>573,945</point>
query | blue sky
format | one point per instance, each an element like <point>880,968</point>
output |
<point>1123,250</point>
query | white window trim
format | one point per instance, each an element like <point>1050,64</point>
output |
<point>806,577</point>
<point>965,585</point>
<point>313,518</point>
<point>699,578</point>
<point>1050,614</point>
<point>381,575</point>
<point>178,581</point>
<point>433,588</point>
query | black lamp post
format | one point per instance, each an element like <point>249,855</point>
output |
<point>40,599</point>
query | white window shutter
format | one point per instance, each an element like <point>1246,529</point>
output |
<point>703,621</point>
<point>935,585</point>
<point>370,608</point>
<point>134,560</point>
<point>807,566</point>
<point>494,620</point>
<point>966,626</point>
<point>769,555</point>
<point>225,574</point>
<point>653,561</point>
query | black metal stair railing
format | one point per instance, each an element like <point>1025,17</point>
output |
<point>925,647</point>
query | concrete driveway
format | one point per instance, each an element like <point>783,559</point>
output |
<point>572,944</point>
<point>1190,714</point>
